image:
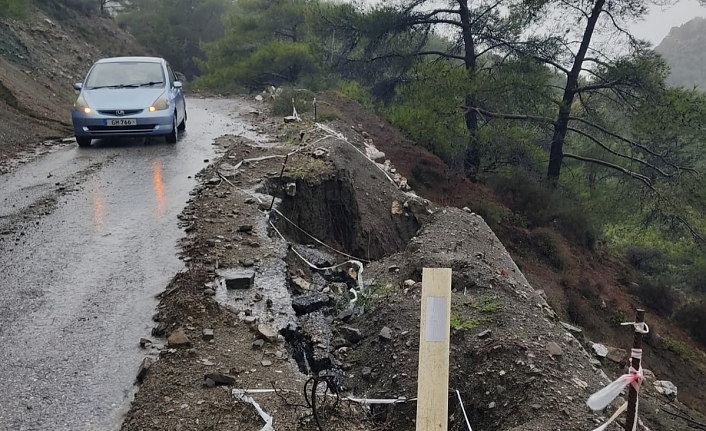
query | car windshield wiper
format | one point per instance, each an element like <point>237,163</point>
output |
<point>113,86</point>
<point>149,84</point>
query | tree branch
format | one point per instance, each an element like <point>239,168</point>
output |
<point>645,180</point>
<point>628,141</point>
<point>625,156</point>
<point>601,86</point>
<point>502,116</point>
<point>416,54</point>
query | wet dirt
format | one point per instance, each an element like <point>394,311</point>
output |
<point>88,237</point>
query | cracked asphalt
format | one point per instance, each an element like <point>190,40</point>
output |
<point>88,237</point>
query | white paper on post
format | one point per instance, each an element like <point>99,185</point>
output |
<point>436,319</point>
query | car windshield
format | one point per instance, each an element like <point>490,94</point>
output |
<point>125,74</point>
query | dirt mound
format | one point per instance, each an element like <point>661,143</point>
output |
<point>40,59</point>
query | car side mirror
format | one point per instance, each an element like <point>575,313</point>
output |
<point>177,84</point>
<point>78,86</point>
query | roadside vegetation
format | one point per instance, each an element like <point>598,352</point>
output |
<point>586,149</point>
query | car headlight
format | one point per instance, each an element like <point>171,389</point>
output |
<point>160,104</point>
<point>82,106</point>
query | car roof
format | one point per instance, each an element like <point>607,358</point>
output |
<point>131,59</point>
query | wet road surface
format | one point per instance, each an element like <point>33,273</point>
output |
<point>87,239</point>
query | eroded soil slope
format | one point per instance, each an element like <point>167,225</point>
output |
<point>40,59</point>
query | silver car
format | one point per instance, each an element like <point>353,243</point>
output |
<point>129,96</point>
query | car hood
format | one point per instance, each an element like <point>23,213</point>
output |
<point>121,98</point>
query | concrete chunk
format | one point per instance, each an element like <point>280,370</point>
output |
<point>240,279</point>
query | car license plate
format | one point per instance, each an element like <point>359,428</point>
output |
<point>121,122</point>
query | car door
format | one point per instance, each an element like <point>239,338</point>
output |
<point>177,94</point>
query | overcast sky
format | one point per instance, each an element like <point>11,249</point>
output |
<point>658,23</point>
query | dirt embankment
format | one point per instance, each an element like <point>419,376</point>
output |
<point>275,302</point>
<point>40,59</point>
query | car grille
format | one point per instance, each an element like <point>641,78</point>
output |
<point>140,128</point>
<point>123,113</point>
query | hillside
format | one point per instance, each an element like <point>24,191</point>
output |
<point>683,48</point>
<point>40,58</point>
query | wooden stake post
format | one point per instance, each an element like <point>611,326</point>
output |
<point>434,334</point>
<point>632,393</point>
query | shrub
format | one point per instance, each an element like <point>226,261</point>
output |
<point>645,259</point>
<point>674,346</point>
<point>544,207</point>
<point>303,100</point>
<point>548,245</point>
<point>657,295</point>
<point>14,8</point>
<point>494,214</point>
<point>692,317</point>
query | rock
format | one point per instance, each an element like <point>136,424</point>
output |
<point>220,379</point>
<point>245,228</point>
<point>337,343</point>
<point>577,332</point>
<point>266,332</point>
<point>485,334</point>
<point>259,98</point>
<point>248,263</point>
<point>266,363</point>
<point>351,334</point>
<point>209,292</point>
<point>144,342</point>
<point>385,333</point>
<point>214,181</point>
<point>666,388</point>
<point>249,320</point>
<point>393,268</point>
<point>240,279</point>
<point>554,350</point>
<point>304,304</point>
<point>599,350</point>
<point>210,383</point>
<point>144,369</point>
<point>492,405</point>
<point>595,362</point>
<point>207,334</point>
<point>396,208</point>
<point>649,376</point>
<point>617,355</point>
<point>301,284</point>
<point>290,189</point>
<point>319,153</point>
<point>258,344</point>
<point>178,338</point>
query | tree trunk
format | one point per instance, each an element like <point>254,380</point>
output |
<point>556,153</point>
<point>471,160</point>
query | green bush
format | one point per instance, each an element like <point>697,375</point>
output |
<point>649,260</point>
<point>657,295</point>
<point>674,346</point>
<point>692,317</point>
<point>14,8</point>
<point>541,206</point>
<point>303,101</point>
<point>548,245</point>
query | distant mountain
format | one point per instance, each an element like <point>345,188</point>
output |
<point>684,48</point>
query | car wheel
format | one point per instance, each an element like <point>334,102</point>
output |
<point>182,126</point>
<point>172,137</point>
<point>83,141</point>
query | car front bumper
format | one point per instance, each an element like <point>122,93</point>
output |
<point>95,124</point>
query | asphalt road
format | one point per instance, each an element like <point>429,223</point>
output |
<point>88,237</point>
